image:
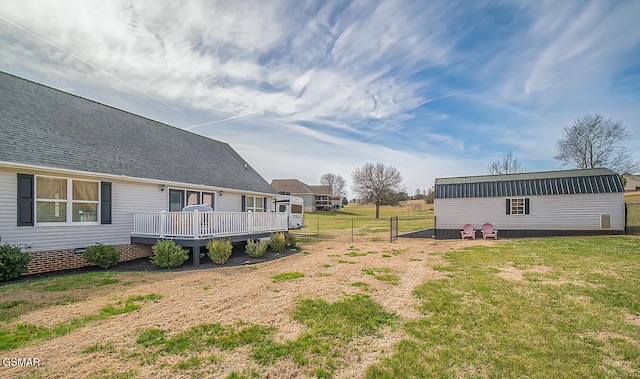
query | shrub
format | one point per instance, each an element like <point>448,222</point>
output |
<point>13,262</point>
<point>277,241</point>
<point>104,256</point>
<point>255,249</point>
<point>167,254</point>
<point>292,241</point>
<point>219,251</point>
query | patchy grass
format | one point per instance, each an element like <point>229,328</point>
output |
<point>329,327</point>
<point>104,348</point>
<point>489,319</point>
<point>74,282</point>
<point>287,276</point>
<point>384,274</point>
<point>365,286</point>
<point>23,334</point>
<point>27,296</point>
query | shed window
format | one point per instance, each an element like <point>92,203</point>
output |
<point>518,206</point>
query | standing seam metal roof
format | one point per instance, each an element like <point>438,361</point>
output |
<point>538,183</point>
<point>46,127</point>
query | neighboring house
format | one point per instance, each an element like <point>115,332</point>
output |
<point>316,198</point>
<point>572,202</point>
<point>633,182</point>
<point>74,172</point>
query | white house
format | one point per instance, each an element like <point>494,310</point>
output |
<point>632,182</point>
<point>74,172</point>
<point>316,198</point>
<point>554,203</point>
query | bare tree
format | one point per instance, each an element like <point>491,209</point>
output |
<point>337,183</point>
<point>508,165</point>
<point>376,182</point>
<point>595,141</point>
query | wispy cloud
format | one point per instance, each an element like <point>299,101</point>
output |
<point>356,81</point>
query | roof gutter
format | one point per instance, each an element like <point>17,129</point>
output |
<point>170,183</point>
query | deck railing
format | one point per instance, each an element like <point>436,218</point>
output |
<point>198,224</point>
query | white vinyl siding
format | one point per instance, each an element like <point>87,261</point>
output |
<point>127,197</point>
<point>550,212</point>
<point>229,202</point>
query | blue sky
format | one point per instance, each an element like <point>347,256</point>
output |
<point>301,88</point>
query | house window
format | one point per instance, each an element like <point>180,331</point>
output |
<point>254,204</point>
<point>84,203</point>
<point>51,199</point>
<point>60,200</point>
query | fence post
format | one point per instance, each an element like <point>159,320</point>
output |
<point>393,236</point>
<point>318,227</point>
<point>352,230</point>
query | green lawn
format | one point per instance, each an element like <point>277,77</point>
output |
<point>633,207</point>
<point>536,308</point>
<point>362,219</point>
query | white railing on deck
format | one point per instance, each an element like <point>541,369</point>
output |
<point>199,224</point>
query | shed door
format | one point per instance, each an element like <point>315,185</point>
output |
<point>605,221</point>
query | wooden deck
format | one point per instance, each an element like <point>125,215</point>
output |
<point>195,229</point>
<point>206,225</point>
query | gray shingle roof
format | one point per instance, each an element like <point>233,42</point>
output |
<point>294,186</point>
<point>46,127</point>
<point>599,180</point>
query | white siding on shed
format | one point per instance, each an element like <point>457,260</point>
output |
<point>551,212</point>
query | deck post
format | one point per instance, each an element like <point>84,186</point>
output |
<point>163,224</point>
<point>196,255</point>
<point>196,224</point>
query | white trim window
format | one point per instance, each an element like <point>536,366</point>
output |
<point>254,204</point>
<point>517,206</point>
<point>64,201</point>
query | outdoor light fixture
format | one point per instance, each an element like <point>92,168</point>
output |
<point>162,188</point>
<point>220,193</point>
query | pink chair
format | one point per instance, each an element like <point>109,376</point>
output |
<point>468,231</point>
<point>487,231</point>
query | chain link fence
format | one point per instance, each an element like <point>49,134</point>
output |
<point>356,229</point>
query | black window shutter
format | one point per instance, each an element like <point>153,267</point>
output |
<point>526,206</point>
<point>25,200</point>
<point>264,204</point>
<point>244,203</point>
<point>105,202</point>
<point>508,206</point>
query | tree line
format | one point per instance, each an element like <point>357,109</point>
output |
<point>590,141</point>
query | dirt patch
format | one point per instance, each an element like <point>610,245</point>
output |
<point>510,272</point>
<point>240,293</point>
